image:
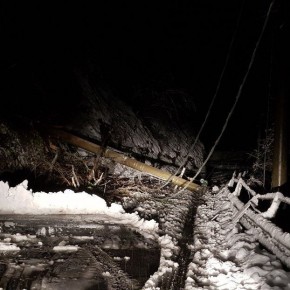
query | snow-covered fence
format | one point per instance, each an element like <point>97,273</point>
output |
<point>268,234</point>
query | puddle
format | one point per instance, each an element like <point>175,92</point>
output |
<point>138,263</point>
<point>58,251</point>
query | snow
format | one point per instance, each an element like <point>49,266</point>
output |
<point>20,200</point>
<point>230,257</point>
<point>272,210</point>
<point>223,255</point>
<point>4,247</point>
<point>65,248</point>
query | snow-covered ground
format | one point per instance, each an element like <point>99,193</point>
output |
<point>20,200</point>
<point>223,255</point>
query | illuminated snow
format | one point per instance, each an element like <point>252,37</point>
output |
<point>20,200</point>
<point>4,247</point>
<point>226,257</point>
<point>222,256</point>
<point>65,248</point>
<point>83,238</point>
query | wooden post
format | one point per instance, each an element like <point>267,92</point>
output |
<point>279,172</point>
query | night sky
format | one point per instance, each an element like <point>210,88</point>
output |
<point>139,45</point>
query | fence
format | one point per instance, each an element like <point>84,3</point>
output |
<point>267,233</point>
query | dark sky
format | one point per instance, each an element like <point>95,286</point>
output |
<point>143,44</point>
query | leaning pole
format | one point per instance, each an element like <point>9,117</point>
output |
<point>122,159</point>
<point>279,170</point>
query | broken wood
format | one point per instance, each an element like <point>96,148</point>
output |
<point>122,159</point>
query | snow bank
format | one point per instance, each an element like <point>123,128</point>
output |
<point>8,247</point>
<point>20,200</point>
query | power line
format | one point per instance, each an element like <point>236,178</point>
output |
<point>236,100</point>
<point>213,99</point>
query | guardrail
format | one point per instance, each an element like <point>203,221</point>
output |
<point>267,233</point>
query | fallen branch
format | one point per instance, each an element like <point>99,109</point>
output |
<point>241,184</point>
<point>271,229</point>
<point>75,180</point>
<point>277,198</point>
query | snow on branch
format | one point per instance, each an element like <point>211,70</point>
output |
<point>272,230</point>
<point>268,243</point>
<point>277,198</point>
<point>267,233</point>
<point>240,184</point>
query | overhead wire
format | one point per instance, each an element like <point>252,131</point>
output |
<point>213,98</point>
<point>236,99</point>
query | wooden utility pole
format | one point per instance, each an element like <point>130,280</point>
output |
<point>122,159</point>
<point>279,172</point>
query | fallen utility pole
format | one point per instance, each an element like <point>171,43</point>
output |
<point>122,159</point>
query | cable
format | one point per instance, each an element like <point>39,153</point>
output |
<point>236,100</point>
<point>212,101</point>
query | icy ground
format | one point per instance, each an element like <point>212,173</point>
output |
<point>199,246</point>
